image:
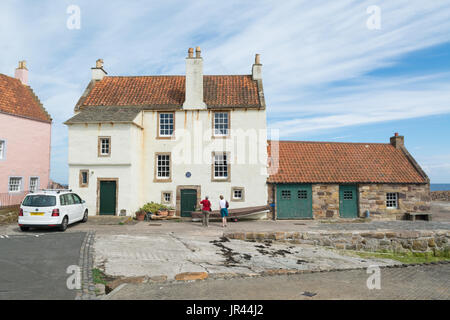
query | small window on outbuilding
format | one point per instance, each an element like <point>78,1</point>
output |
<point>392,200</point>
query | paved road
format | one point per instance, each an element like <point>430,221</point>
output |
<point>413,282</point>
<point>33,266</point>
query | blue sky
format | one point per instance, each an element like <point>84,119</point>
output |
<point>326,75</point>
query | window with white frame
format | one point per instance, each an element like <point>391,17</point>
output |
<point>237,194</point>
<point>166,124</point>
<point>34,184</point>
<point>104,146</point>
<point>2,149</point>
<point>163,166</point>
<point>167,197</point>
<point>15,184</point>
<point>220,166</point>
<point>392,200</point>
<point>221,123</point>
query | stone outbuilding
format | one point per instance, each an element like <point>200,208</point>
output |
<point>316,180</point>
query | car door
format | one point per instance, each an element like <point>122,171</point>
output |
<point>71,208</point>
<point>78,207</point>
<point>64,206</point>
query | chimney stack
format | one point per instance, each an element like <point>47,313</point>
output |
<point>257,68</point>
<point>194,81</point>
<point>98,72</point>
<point>22,72</point>
<point>397,141</point>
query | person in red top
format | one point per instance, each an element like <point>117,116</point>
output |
<point>206,209</point>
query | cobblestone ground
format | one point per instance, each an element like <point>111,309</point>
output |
<point>427,282</point>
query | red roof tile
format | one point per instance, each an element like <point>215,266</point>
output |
<point>157,91</point>
<point>18,99</point>
<point>331,162</point>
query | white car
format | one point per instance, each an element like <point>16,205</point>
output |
<point>51,208</point>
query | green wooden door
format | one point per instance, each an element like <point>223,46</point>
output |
<point>107,197</point>
<point>294,201</point>
<point>348,201</point>
<point>188,201</point>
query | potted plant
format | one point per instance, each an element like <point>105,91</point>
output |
<point>171,212</point>
<point>140,215</point>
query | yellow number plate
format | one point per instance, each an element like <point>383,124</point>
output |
<point>36,214</point>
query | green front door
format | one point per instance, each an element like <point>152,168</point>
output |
<point>188,201</point>
<point>107,197</point>
<point>294,201</point>
<point>348,201</point>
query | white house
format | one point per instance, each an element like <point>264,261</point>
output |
<point>169,139</point>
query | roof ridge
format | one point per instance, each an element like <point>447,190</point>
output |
<point>179,75</point>
<point>333,142</point>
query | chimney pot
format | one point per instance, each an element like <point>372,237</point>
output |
<point>257,58</point>
<point>198,52</point>
<point>190,53</point>
<point>99,63</point>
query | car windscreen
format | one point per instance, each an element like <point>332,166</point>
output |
<point>39,201</point>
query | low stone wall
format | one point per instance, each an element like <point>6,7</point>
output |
<point>398,241</point>
<point>9,215</point>
<point>440,195</point>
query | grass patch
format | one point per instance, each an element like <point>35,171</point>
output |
<point>99,276</point>
<point>406,257</point>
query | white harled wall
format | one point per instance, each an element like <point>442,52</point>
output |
<point>133,151</point>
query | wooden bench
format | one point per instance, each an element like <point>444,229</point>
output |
<point>412,216</point>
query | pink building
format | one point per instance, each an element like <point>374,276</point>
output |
<point>25,133</point>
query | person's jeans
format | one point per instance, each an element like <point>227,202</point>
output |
<point>205,218</point>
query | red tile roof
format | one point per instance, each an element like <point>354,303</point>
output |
<point>169,91</point>
<point>331,162</point>
<point>20,100</point>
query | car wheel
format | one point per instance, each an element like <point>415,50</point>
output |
<point>85,217</point>
<point>24,228</point>
<point>64,224</point>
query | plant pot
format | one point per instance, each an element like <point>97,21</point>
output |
<point>140,216</point>
<point>171,213</point>
<point>163,213</point>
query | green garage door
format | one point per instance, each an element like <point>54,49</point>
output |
<point>294,201</point>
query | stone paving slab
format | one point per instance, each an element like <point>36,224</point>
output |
<point>171,254</point>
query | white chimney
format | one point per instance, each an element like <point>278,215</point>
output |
<point>22,72</point>
<point>257,68</point>
<point>194,81</point>
<point>98,72</point>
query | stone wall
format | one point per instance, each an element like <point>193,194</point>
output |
<point>411,198</point>
<point>325,201</point>
<point>9,215</point>
<point>440,195</point>
<point>398,241</point>
<point>271,191</point>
